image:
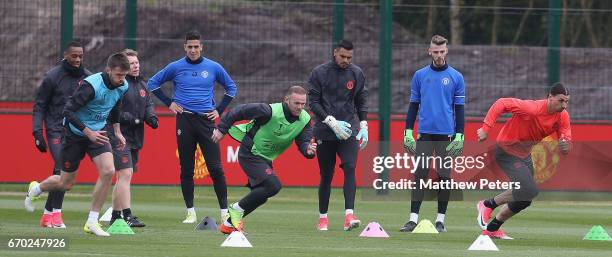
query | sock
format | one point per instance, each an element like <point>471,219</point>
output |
<point>57,210</point>
<point>322,215</point>
<point>45,212</point>
<point>127,212</point>
<point>494,225</point>
<point>490,203</point>
<point>223,212</point>
<point>35,191</point>
<point>237,207</point>
<point>414,217</point>
<point>191,210</point>
<point>116,214</point>
<point>440,217</point>
<point>227,223</point>
<point>93,217</point>
<point>348,211</point>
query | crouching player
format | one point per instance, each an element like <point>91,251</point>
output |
<point>531,122</point>
<point>269,133</point>
<point>86,112</point>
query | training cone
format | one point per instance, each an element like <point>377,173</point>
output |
<point>483,243</point>
<point>425,227</point>
<point>106,217</point>
<point>236,239</point>
<point>207,223</point>
<point>597,233</point>
<point>119,227</point>
<point>374,230</point>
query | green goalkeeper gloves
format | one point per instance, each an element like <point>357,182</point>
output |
<point>409,142</point>
<point>455,148</point>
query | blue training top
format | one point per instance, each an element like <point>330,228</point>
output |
<point>95,112</point>
<point>194,83</point>
<point>437,90</point>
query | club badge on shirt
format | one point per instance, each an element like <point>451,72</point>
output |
<point>445,81</point>
<point>350,84</point>
<point>204,74</point>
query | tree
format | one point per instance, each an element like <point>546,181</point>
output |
<point>455,23</point>
<point>496,18</point>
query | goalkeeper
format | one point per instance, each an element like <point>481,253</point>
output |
<point>338,98</point>
<point>438,97</point>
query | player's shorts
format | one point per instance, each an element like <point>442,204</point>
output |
<point>125,158</point>
<point>518,170</point>
<point>74,148</point>
<point>256,168</point>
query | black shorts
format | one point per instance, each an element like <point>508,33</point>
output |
<point>518,170</point>
<point>125,158</point>
<point>429,145</point>
<point>74,148</point>
<point>256,168</point>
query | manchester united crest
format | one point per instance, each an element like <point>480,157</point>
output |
<point>350,84</point>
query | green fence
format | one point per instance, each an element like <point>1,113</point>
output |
<point>269,45</point>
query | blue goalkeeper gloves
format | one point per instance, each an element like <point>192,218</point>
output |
<point>363,134</point>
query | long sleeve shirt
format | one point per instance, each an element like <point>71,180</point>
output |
<point>338,92</point>
<point>81,97</point>
<point>57,86</point>
<point>194,83</point>
<point>261,113</point>
<point>137,108</point>
<point>529,124</point>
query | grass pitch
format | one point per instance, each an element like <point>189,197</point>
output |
<point>285,226</point>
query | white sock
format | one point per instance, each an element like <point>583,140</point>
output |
<point>57,210</point>
<point>440,218</point>
<point>93,217</point>
<point>227,224</point>
<point>322,215</point>
<point>35,191</point>
<point>348,211</point>
<point>414,217</point>
<point>223,212</point>
<point>191,210</point>
<point>46,212</point>
<point>237,207</point>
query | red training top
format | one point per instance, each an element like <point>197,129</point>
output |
<point>529,124</point>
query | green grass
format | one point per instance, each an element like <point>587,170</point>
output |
<point>285,226</point>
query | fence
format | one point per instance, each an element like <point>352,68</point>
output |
<point>269,45</point>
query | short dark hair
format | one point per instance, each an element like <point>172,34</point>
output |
<point>297,89</point>
<point>348,45</point>
<point>72,44</point>
<point>118,60</point>
<point>438,40</point>
<point>558,88</point>
<point>130,52</point>
<point>192,35</point>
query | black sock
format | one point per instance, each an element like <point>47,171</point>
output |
<point>116,214</point>
<point>494,225</point>
<point>127,213</point>
<point>490,203</point>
